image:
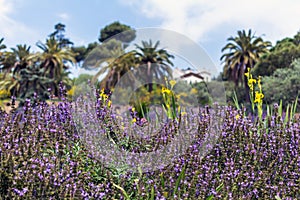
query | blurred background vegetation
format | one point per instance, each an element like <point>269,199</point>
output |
<point>27,74</point>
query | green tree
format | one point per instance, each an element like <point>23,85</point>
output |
<point>280,56</point>
<point>11,83</point>
<point>118,68</point>
<point>32,82</point>
<point>59,35</point>
<point>111,61</point>
<point>81,52</point>
<point>158,61</point>
<point>83,78</point>
<point>283,84</point>
<point>16,60</point>
<point>242,52</point>
<point>53,60</point>
<point>118,31</point>
<point>12,63</point>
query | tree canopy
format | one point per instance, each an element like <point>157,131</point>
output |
<point>242,52</point>
<point>280,56</point>
<point>118,31</point>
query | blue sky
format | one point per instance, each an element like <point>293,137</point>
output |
<point>208,23</point>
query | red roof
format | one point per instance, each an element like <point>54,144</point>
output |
<point>192,74</point>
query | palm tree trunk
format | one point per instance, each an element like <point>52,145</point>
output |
<point>149,77</point>
<point>247,89</point>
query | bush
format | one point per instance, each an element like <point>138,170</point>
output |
<point>283,85</point>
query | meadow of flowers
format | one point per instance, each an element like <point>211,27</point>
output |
<point>43,155</point>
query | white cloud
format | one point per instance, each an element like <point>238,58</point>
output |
<point>197,18</point>
<point>64,16</point>
<point>13,31</point>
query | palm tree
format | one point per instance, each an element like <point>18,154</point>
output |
<point>112,62</point>
<point>11,84</point>
<point>53,60</point>
<point>16,60</point>
<point>242,52</point>
<point>2,46</point>
<point>12,63</point>
<point>149,54</point>
<point>118,68</point>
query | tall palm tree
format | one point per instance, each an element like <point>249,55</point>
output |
<point>16,60</point>
<point>112,62</point>
<point>157,61</point>
<point>118,68</point>
<point>12,63</point>
<point>242,52</point>
<point>53,60</point>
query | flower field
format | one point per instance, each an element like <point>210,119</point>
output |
<point>43,155</point>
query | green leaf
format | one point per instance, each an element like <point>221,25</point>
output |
<point>180,177</point>
<point>152,193</point>
<point>286,118</point>
<point>280,108</point>
<point>235,100</point>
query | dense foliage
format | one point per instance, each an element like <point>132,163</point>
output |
<point>283,85</point>
<point>42,155</point>
<point>253,153</point>
<point>282,55</point>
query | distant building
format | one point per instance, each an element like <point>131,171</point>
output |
<point>191,76</point>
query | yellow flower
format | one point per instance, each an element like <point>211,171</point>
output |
<point>133,120</point>
<point>165,194</point>
<point>166,90</point>
<point>248,73</point>
<point>194,91</point>
<point>259,84</point>
<point>258,97</point>
<point>109,103</point>
<point>251,81</point>
<point>237,116</point>
<point>104,96</point>
<point>102,92</point>
<point>183,113</point>
<point>172,83</point>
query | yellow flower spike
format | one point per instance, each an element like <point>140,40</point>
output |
<point>102,92</point>
<point>172,83</point>
<point>105,97</point>
<point>165,90</point>
<point>248,73</point>
<point>259,83</point>
<point>258,97</point>
<point>251,81</point>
